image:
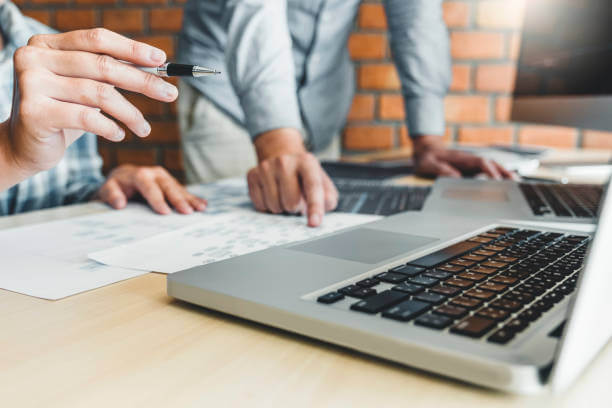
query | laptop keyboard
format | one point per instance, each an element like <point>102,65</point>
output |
<point>366,197</point>
<point>563,200</point>
<point>491,286</point>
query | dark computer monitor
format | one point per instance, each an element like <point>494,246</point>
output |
<point>564,74</point>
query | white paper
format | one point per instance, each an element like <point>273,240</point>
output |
<point>50,260</point>
<point>219,237</point>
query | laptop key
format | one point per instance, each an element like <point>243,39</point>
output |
<point>492,313</point>
<point>463,262</point>
<point>460,283</point>
<point>484,252</point>
<point>473,326</point>
<point>379,302</point>
<point>480,294</point>
<point>408,270</point>
<point>330,298</point>
<point>517,325</point>
<point>409,288</point>
<point>392,277</point>
<point>455,312</point>
<point>506,280</point>
<point>347,290</point>
<point>368,283</point>
<point>481,269</point>
<point>445,290</point>
<point>494,264</point>
<point>468,303</point>
<point>510,305</point>
<point>474,258</point>
<point>433,321</point>
<point>406,310</point>
<point>438,274</point>
<point>429,297</point>
<point>445,254</point>
<point>473,276</point>
<point>451,268</point>
<point>502,336</point>
<point>493,287</point>
<point>423,280</point>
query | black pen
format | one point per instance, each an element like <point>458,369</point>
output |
<point>170,69</point>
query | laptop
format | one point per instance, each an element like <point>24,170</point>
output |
<point>488,302</point>
<point>528,201</point>
<point>563,78</point>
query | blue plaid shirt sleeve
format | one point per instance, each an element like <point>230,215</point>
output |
<point>78,175</point>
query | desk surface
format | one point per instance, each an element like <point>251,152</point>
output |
<point>129,344</point>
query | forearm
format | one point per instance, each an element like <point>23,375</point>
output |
<point>260,64</point>
<point>420,46</point>
<point>11,173</point>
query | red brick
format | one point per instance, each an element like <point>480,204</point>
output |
<point>372,16</point>
<point>164,42</point>
<point>146,1</point>
<point>139,157</point>
<point>495,78</point>
<point>515,46</point>
<point>500,14</point>
<point>552,136</point>
<point>96,1</point>
<point>362,108</point>
<point>503,109</point>
<point>379,76</point>
<point>368,137</point>
<point>39,15</point>
<point>592,139</point>
<point>461,78</point>
<point>127,20</point>
<point>467,109</point>
<point>163,132</point>
<point>173,159</point>
<point>367,46</point>
<point>67,20</point>
<point>166,19</point>
<point>456,14</point>
<point>49,1</point>
<point>146,105</point>
<point>486,135</point>
<point>391,107</point>
<point>477,45</point>
<point>404,138</point>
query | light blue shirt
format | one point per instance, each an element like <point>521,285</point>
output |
<point>285,62</point>
<point>78,175</point>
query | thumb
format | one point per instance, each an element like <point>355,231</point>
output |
<point>446,170</point>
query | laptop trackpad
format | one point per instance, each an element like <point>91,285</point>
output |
<point>365,245</point>
<point>476,194</point>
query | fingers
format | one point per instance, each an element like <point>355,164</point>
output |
<point>256,190</point>
<point>269,187</point>
<point>490,169</point>
<point>103,96</point>
<point>102,41</point>
<point>146,184</point>
<point>64,115</point>
<point>289,184</point>
<point>197,203</point>
<point>331,193</point>
<point>506,174</point>
<point>429,165</point>
<point>112,194</point>
<point>312,184</point>
<point>175,193</point>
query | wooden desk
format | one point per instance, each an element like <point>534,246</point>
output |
<point>129,344</point>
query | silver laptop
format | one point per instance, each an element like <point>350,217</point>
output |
<point>560,80</point>
<point>496,304</point>
<point>527,201</point>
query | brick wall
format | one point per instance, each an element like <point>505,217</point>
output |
<point>484,45</point>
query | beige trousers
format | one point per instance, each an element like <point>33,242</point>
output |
<point>214,145</point>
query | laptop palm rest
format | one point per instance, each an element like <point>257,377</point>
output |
<point>365,245</point>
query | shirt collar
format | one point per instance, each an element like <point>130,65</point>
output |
<point>14,25</point>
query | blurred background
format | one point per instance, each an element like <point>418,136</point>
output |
<point>485,40</point>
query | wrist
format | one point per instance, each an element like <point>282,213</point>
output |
<point>279,142</point>
<point>10,169</point>
<point>423,143</point>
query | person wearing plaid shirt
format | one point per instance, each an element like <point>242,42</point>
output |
<point>61,83</point>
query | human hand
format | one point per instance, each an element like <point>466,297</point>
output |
<point>155,184</point>
<point>433,159</point>
<point>289,179</point>
<point>63,85</point>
